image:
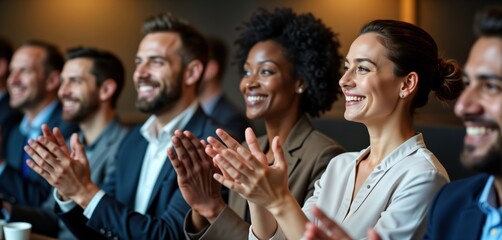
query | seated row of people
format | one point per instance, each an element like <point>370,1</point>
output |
<point>290,67</point>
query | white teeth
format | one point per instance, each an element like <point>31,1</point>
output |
<point>353,98</point>
<point>477,131</point>
<point>68,103</point>
<point>253,99</point>
<point>15,90</point>
<point>145,88</point>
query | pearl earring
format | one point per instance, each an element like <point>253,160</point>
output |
<point>299,90</point>
<point>401,95</point>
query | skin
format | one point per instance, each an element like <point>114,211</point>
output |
<point>368,76</point>
<point>158,66</point>
<point>480,106</point>
<point>269,75</point>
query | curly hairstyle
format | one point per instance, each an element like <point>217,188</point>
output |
<point>310,46</point>
<point>412,49</point>
<point>488,22</point>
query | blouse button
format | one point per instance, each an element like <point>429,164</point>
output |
<point>368,186</point>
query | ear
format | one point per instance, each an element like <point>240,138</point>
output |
<point>300,86</point>
<point>53,81</point>
<point>107,89</point>
<point>409,85</point>
<point>211,71</point>
<point>193,72</point>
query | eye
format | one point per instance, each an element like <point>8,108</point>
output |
<point>345,68</point>
<point>157,62</point>
<point>492,87</point>
<point>247,73</point>
<point>137,61</point>
<point>362,69</point>
<point>266,72</point>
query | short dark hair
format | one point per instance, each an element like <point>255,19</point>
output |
<point>106,65</point>
<point>54,59</point>
<point>6,49</point>
<point>218,50</point>
<point>194,45</point>
<point>311,47</point>
<point>412,49</point>
<point>488,22</point>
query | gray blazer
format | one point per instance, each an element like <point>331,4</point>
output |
<point>307,152</point>
<point>44,220</point>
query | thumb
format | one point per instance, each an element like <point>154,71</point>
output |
<point>373,235</point>
<point>279,160</point>
<point>77,149</point>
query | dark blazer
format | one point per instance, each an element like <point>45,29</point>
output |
<point>307,153</point>
<point>34,190</point>
<point>229,117</point>
<point>102,164</point>
<point>8,118</point>
<point>455,213</point>
<point>114,216</point>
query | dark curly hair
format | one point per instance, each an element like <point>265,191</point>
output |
<point>412,49</point>
<point>310,46</point>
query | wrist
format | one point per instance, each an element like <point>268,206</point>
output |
<point>281,205</point>
<point>84,196</point>
<point>212,211</point>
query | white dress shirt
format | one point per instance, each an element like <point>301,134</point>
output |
<point>394,199</point>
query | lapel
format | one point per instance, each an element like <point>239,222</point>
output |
<point>293,145</point>
<point>15,149</point>
<point>110,135</point>
<point>134,162</point>
<point>196,126</point>
<point>471,218</point>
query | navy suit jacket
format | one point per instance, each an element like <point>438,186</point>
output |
<point>114,216</point>
<point>455,213</point>
<point>231,119</point>
<point>8,118</point>
<point>34,190</point>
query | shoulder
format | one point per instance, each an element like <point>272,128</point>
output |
<point>458,189</point>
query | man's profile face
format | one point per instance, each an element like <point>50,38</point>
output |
<point>158,76</point>
<point>480,106</point>
<point>27,80</point>
<point>78,93</point>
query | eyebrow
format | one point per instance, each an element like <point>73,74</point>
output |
<point>359,60</point>
<point>484,76</point>
<point>262,62</point>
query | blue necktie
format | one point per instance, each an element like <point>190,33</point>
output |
<point>26,169</point>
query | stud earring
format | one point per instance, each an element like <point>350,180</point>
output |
<point>299,90</point>
<point>401,95</point>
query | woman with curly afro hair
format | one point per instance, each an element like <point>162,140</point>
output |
<point>290,67</point>
<point>390,69</point>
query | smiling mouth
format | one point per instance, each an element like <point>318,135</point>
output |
<point>255,99</point>
<point>475,131</point>
<point>354,98</point>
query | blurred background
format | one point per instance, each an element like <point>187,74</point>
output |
<point>115,25</point>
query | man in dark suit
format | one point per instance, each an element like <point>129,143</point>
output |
<point>211,96</point>
<point>8,115</point>
<point>470,208</point>
<point>92,81</point>
<point>32,84</point>
<point>142,200</point>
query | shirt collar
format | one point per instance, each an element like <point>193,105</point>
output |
<point>487,199</point>
<point>149,132</point>
<point>43,117</point>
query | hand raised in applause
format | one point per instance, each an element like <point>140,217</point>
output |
<point>248,172</point>
<point>195,169</point>
<point>329,229</point>
<point>69,173</point>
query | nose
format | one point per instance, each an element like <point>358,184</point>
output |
<point>13,77</point>
<point>63,89</point>
<point>250,81</point>
<point>346,80</point>
<point>469,102</point>
<point>141,71</point>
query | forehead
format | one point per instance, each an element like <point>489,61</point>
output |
<point>267,49</point>
<point>159,44</point>
<point>77,67</point>
<point>28,56</point>
<point>485,56</point>
<point>367,45</point>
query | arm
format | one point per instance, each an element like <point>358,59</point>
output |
<point>265,186</point>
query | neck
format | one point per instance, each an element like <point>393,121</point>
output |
<point>208,91</point>
<point>387,135</point>
<point>95,124</point>
<point>33,111</point>
<point>167,115</point>
<point>281,126</point>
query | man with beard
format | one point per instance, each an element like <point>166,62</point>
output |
<point>142,199</point>
<point>471,208</point>
<point>92,81</point>
<point>32,84</point>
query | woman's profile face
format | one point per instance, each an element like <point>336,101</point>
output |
<point>370,87</point>
<point>268,85</point>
